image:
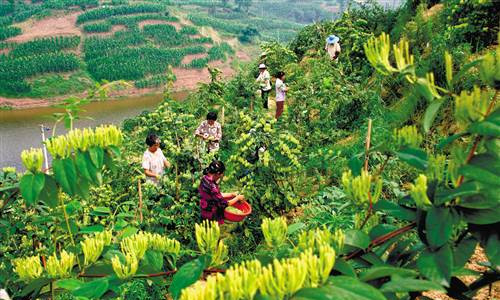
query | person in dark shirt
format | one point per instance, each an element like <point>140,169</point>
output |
<point>212,201</point>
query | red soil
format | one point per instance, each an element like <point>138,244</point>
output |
<point>53,26</point>
<point>154,22</point>
<point>189,58</point>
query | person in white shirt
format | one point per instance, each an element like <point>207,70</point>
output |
<point>333,47</point>
<point>153,160</point>
<point>264,81</point>
<point>281,90</point>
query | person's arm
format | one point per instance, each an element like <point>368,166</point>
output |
<point>198,131</point>
<point>150,173</point>
<point>218,134</point>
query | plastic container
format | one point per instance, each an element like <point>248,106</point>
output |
<point>245,209</point>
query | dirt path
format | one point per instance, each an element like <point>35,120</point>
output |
<point>155,22</point>
<point>473,264</point>
<point>114,29</point>
<point>52,26</point>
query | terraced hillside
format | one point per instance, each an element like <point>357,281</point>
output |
<point>59,47</point>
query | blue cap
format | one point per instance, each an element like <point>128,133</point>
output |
<point>332,39</point>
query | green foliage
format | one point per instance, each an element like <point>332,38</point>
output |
<point>97,27</point>
<point>105,12</point>
<point>9,31</point>
<point>45,45</point>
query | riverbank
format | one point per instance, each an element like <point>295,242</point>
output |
<point>187,80</point>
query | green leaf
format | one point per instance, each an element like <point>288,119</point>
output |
<point>414,157</point>
<point>312,294</point>
<point>92,289</point>
<point>493,250</point>
<point>31,185</point>
<point>49,195</point>
<point>343,267</point>
<point>405,285</point>
<point>380,230</point>
<point>81,165</point>
<point>34,286</point>
<point>466,189</point>
<point>69,284</point>
<point>93,171</point>
<point>385,271</point>
<point>97,156</point>
<point>188,274</point>
<point>479,174</point>
<point>65,174</point>
<point>482,216</point>
<point>154,260</point>
<point>430,114</point>
<point>395,210</point>
<point>295,227</point>
<point>357,238</point>
<point>488,127</point>
<point>101,211</point>
<point>463,252</point>
<point>439,226</point>
<point>445,142</point>
<point>355,164</point>
<point>83,188</point>
<point>128,231</point>
<point>347,288</point>
<point>437,266</point>
<point>92,229</point>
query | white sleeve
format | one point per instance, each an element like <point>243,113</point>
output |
<point>145,162</point>
<point>162,155</point>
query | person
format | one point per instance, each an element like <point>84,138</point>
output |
<point>333,47</point>
<point>212,201</point>
<point>264,81</point>
<point>153,160</point>
<point>281,90</point>
<point>210,131</point>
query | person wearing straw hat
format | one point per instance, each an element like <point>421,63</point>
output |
<point>264,81</point>
<point>333,47</point>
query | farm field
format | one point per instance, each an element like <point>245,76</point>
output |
<point>139,39</point>
<point>378,182</point>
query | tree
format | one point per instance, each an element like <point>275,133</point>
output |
<point>244,5</point>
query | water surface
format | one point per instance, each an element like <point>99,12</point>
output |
<point>20,129</point>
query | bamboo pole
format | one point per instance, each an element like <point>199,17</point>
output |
<point>140,199</point>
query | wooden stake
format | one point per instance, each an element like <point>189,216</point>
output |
<point>368,140</point>
<point>140,199</point>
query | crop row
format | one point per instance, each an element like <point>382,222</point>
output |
<point>217,52</point>
<point>105,12</point>
<point>13,71</point>
<point>45,45</point>
<point>230,27</point>
<point>153,81</point>
<point>136,63</point>
<point>9,31</point>
<point>97,27</point>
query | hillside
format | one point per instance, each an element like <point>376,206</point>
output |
<point>376,183</point>
<point>55,48</point>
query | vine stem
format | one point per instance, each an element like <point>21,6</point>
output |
<point>66,218</point>
<point>382,239</point>
<point>367,153</point>
<point>478,139</point>
<point>160,274</point>
<point>140,199</point>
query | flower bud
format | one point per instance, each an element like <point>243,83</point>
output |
<point>28,268</point>
<point>136,245</point>
<point>418,192</point>
<point>274,231</point>
<point>362,187</point>
<point>436,167</point>
<point>408,136</point>
<point>60,268</point>
<point>32,159</point>
<point>127,270</point>
<point>471,107</point>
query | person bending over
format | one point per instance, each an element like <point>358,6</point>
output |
<point>212,201</point>
<point>210,131</point>
<point>153,160</point>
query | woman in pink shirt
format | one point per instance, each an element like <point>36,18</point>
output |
<point>212,201</point>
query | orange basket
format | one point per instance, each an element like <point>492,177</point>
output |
<point>245,209</point>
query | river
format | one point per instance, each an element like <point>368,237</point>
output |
<point>19,129</point>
